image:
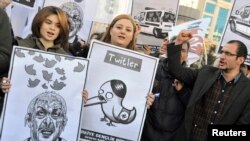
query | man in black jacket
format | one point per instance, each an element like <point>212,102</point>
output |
<point>220,95</point>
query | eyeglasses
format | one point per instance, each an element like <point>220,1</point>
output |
<point>226,53</point>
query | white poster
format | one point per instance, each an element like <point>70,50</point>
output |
<point>118,82</point>
<point>238,26</point>
<point>45,101</point>
<point>198,29</point>
<point>156,19</point>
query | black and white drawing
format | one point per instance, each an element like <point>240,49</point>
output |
<point>238,25</point>
<point>117,92</point>
<point>51,91</point>
<point>46,117</point>
<point>156,19</point>
<point>110,97</point>
<point>28,3</point>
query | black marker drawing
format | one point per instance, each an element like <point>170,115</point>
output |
<point>39,58</point>
<point>46,117</point>
<point>33,83</point>
<point>57,85</point>
<point>110,96</point>
<point>19,53</point>
<point>30,69</point>
<point>49,63</point>
<point>47,76</point>
<point>79,68</point>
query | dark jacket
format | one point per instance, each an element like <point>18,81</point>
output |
<point>33,42</point>
<point>236,110</point>
<point>5,43</point>
<point>167,112</point>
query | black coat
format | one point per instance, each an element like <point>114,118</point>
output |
<point>167,112</point>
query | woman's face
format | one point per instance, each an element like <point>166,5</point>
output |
<point>122,33</point>
<point>50,28</point>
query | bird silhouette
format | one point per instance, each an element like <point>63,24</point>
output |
<point>30,70</point>
<point>57,85</point>
<point>60,71</point>
<point>49,63</point>
<point>63,78</point>
<point>39,58</point>
<point>31,52</point>
<point>44,86</point>
<point>58,58</point>
<point>19,53</point>
<point>79,68</point>
<point>110,96</point>
<point>47,76</point>
<point>33,83</point>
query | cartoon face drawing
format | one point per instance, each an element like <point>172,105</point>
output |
<point>110,96</point>
<point>75,15</point>
<point>46,117</point>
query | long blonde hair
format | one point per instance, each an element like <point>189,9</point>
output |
<point>107,37</point>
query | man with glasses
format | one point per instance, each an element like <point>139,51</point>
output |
<point>220,95</point>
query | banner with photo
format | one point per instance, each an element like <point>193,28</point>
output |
<point>238,26</point>
<point>156,19</point>
<point>198,29</point>
<point>118,82</point>
<point>45,100</point>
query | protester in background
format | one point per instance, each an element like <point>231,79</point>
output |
<point>162,52</point>
<point>166,114</point>
<point>5,45</point>
<point>220,95</point>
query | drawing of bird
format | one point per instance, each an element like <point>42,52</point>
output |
<point>58,58</point>
<point>33,83</point>
<point>79,68</point>
<point>110,96</point>
<point>39,58</point>
<point>31,52</point>
<point>19,53</point>
<point>63,78</point>
<point>45,86</point>
<point>30,70</point>
<point>60,71</point>
<point>57,85</point>
<point>49,63</point>
<point>47,76</point>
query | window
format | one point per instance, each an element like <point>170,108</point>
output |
<point>210,8</point>
<point>227,0</point>
<point>221,20</point>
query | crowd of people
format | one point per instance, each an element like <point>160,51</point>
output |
<point>184,101</point>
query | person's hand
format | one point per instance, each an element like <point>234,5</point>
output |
<point>137,30</point>
<point>5,85</point>
<point>146,49</point>
<point>4,3</point>
<point>85,96</point>
<point>150,100</point>
<point>184,35</point>
<point>178,85</point>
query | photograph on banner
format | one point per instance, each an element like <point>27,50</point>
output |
<point>118,82</point>
<point>238,26</point>
<point>198,28</point>
<point>75,10</point>
<point>26,3</point>
<point>156,19</point>
<point>45,98</point>
<point>108,9</point>
<point>22,16</point>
